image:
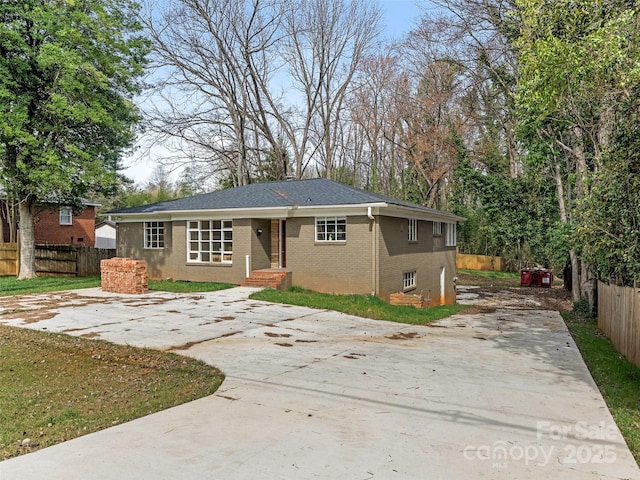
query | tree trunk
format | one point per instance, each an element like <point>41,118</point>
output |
<point>27,239</point>
<point>576,292</point>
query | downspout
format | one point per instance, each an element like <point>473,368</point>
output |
<point>374,251</point>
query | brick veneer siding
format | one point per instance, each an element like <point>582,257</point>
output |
<point>82,230</point>
<point>171,261</point>
<point>428,257</point>
<point>331,267</point>
<point>124,275</point>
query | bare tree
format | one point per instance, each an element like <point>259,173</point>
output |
<point>478,36</point>
<point>325,42</point>
<point>247,79</point>
<point>215,54</point>
<point>374,110</point>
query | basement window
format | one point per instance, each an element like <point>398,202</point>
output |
<point>409,280</point>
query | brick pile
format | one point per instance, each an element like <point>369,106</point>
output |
<point>124,275</point>
<point>417,301</point>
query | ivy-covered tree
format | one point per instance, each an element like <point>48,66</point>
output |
<point>508,217</point>
<point>578,61</point>
<point>608,225</point>
<point>68,72</point>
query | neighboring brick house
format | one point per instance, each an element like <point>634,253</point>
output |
<point>56,225</point>
<point>324,235</point>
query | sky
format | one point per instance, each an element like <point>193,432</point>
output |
<point>399,16</point>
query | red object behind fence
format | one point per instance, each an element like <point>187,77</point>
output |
<point>538,277</point>
<point>526,277</point>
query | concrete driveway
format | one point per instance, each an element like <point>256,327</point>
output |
<point>313,394</point>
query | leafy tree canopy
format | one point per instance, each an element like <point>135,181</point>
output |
<point>608,225</point>
<point>68,71</point>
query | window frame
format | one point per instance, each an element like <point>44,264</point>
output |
<point>153,235</point>
<point>202,238</point>
<point>451,235</point>
<point>412,229</point>
<point>326,222</point>
<point>409,280</point>
<point>66,212</point>
<point>437,229</point>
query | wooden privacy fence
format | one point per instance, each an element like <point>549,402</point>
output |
<point>619,318</point>
<point>478,262</point>
<point>57,260</point>
<point>469,261</point>
<point>8,259</point>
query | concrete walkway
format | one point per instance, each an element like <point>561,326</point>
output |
<point>314,394</point>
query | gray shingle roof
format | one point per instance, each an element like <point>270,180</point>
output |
<point>313,193</point>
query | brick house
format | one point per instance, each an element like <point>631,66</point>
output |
<point>322,235</point>
<point>58,225</point>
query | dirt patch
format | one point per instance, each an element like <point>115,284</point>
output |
<point>477,309</point>
<point>35,308</point>
<point>226,397</point>
<point>403,336</point>
<point>284,344</point>
<point>90,335</point>
<point>276,335</point>
<point>354,356</point>
<point>307,341</point>
<point>188,345</point>
<point>555,298</point>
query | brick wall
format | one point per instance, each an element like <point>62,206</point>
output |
<point>124,275</point>
<point>80,232</point>
<point>331,267</point>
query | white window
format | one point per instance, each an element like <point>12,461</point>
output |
<point>331,229</point>
<point>153,234</point>
<point>451,235</point>
<point>437,229</point>
<point>413,229</point>
<point>66,216</point>
<point>409,280</point>
<point>210,241</point>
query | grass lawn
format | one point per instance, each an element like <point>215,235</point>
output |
<point>55,387</point>
<point>360,305</point>
<point>187,287</point>
<point>11,286</point>
<point>616,377</point>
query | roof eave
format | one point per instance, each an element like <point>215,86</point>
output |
<point>291,211</point>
